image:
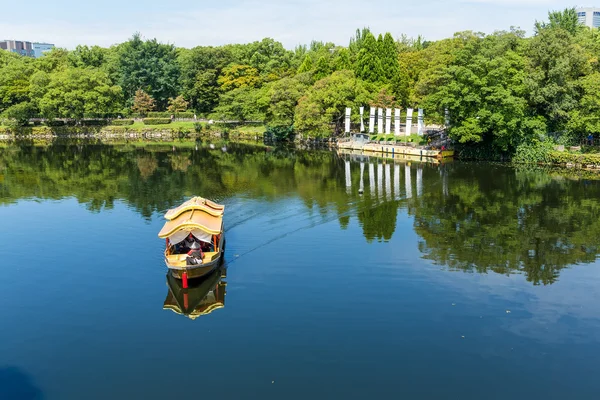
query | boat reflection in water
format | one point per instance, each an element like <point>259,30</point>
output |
<point>202,297</point>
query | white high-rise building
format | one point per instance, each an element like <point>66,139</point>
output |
<point>40,48</point>
<point>589,16</point>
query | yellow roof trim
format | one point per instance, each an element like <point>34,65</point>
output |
<point>196,203</point>
<point>192,219</point>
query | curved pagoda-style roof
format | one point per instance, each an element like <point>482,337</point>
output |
<point>190,220</point>
<point>197,203</point>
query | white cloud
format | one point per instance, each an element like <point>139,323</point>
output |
<point>291,22</point>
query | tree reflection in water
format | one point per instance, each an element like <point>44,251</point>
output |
<point>469,217</point>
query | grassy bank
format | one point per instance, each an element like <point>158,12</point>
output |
<point>414,138</point>
<point>576,159</point>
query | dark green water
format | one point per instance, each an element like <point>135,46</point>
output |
<point>461,281</point>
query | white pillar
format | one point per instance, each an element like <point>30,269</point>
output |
<point>397,122</point>
<point>420,122</point>
<point>348,113</point>
<point>388,182</point>
<point>397,181</point>
<point>408,182</point>
<point>388,121</point>
<point>362,122</point>
<point>380,120</point>
<point>409,113</point>
<point>371,178</point>
<point>419,181</point>
<point>446,118</point>
<point>372,120</point>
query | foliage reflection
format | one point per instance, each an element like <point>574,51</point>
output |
<point>469,217</point>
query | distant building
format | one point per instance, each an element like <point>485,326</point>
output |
<point>27,49</point>
<point>589,16</point>
<point>40,48</point>
<point>16,46</point>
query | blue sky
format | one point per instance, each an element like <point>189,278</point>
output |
<point>189,23</point>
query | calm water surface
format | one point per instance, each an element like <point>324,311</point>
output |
<point>447,281</point>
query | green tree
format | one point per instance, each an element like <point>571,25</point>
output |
<point>270,58</point>
<point>205,92</point>
<point>242,104</point>
<point>149,65</point>
<point>325,102</point>
<point>21,112</point>
<point>556,63</point>
<point>341,60</point>
<point>200,69</point>
<point>85,56</point>
<point>586,118</point>
<point>306,65</point>
<point>485,91</point>
<point>239,76</point>
<point>283,96</point>
<point>15,72</point>
<point>389,59</point>
<point>368,64</point>
<point>77,92</point>
<point>566,20</point>
<point>357,42</point>
<point>322,68</point>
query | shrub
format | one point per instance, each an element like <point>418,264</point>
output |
<point>94,122</point>
<point>534,153</point>
<point>163,114</point>
<point>55,123</point>
<point>563,157</point>
<point>280,132</point>
<point>156,121</point>
<point>197,127</point>
<point>21,113</point>
<point>122,122</point>
<point>187,115</point>
<point>11,124</point>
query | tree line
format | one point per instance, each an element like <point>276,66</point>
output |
<point>502,90</point>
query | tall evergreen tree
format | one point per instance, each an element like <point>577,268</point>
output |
<point>389,58</point>
<point>368,64</point>
<point>322,68</point>
<point>306,65</point>
<point>341,60</point>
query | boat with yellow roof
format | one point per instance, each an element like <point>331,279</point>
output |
<point>194,238</point>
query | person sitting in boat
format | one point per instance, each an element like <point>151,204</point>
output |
<point>188,242</point>
<point>206,247</point>
<point>195,255</point>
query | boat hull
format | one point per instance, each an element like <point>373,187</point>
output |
<point>195,271</point>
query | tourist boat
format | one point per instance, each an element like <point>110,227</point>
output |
<point>202,297</point>
<point>194,238</point>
